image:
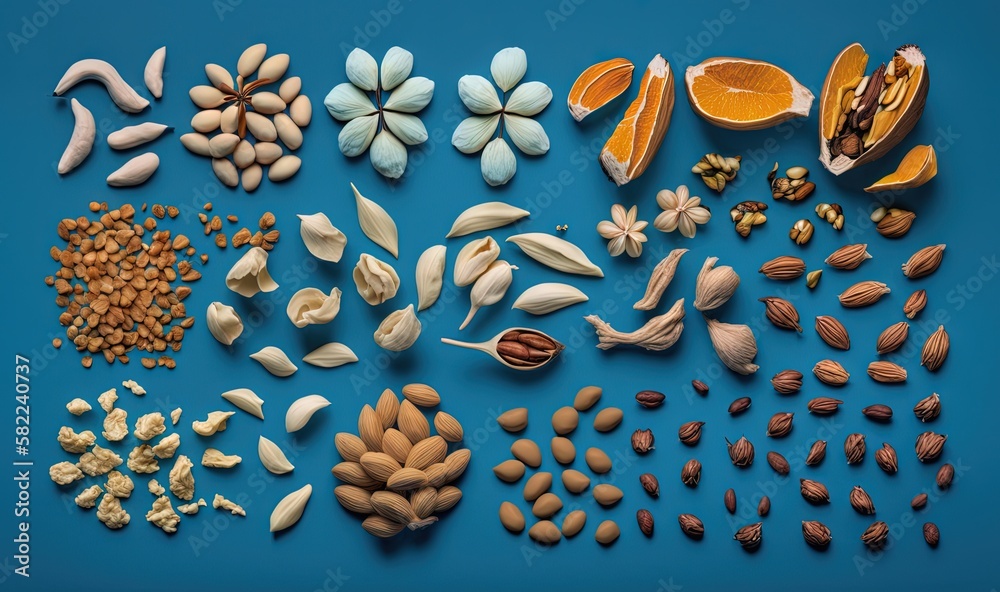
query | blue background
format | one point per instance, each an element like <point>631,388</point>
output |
<point>468,548</point>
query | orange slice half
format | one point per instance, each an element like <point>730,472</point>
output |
<point>598,85</point>
<point>742,94</point>
<point>917,167</point>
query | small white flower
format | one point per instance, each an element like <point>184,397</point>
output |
<point>623,231</point>
<point>388,125</point>
<point>477,132</point>
<point>680,211</point>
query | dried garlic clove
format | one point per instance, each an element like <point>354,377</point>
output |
<point>247,400</point>
<point>430,276</point>
<point>489,288</point>
<point>330,355</point>
<point>249,275</point>
<point>321,237</point>
<point>548,297</point>
<point>275,361</point>
<point>473,260</point>
<point>273,459</point>
<point>485,216</point>
<point>399,330</point>
<point>375,221</point>
<point>310,306</point>
<point>302,410</point>
<point>223,323</point>
<point>376,280</point>
<point>715,285</point>
<point>290,508</point>
<point>735,345</point>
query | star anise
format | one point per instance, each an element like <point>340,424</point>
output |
<point>242,97</point>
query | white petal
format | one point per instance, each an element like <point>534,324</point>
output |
<point>362,69</point>
<point>682,193</point>
<point>310,306</point>
<point>330,355</point>
<point>508,67</point>
<point>608,229</point>
<point>527,134</point>
<point>388,155</point>
<point>478,95</point>
<point>619,215</point>
<point>396,67</point>
<point>529,98</point>
<point>411,96</point>
<point>686,226</point>
<point>275,361</point>
<point>474,132</point>
<point>616,246</point>
<point>699,215</point>
<point>633,247</point>
<point>407,128</point>
<point>346,101</point>
<point>498,163</point>
<point>321,237</point>
<point>667,221</point>
<point>357,135</point>
<point>666,199</point>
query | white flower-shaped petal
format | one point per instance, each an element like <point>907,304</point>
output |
<point>527,134</point>
<point>357,135</point>
<point>411,96</point>
<point>362,69</point>
<point>666,199</point>
<point>529,99</point>
<point>623,231</point>
<point>346,101</point>
<point>407,128</point>
<point>396,67</point>
<point>474,132</point>
<point>498,162</point>
<point>388,155</point>
<point>478,95</point>
<point>508,67</point>
<point>681,212</point>
<point>667,221</point>
<point>608,229</point>
<point>700,214</point>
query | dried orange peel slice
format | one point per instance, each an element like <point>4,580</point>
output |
<point>638,136</point>
<point>917,167</point>
<point>743,94</point>
<point>598,85</point>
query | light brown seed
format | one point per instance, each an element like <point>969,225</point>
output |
<point>426,453</point>
<point>370,429</point>
<point>924,262</point>
<point>448,496</point>
<point>854,448</point>
<point>608,419</point>
<point>816,453</point>
<point>412,422</point>
<point>945,475</point>
<point>266,221</point>
<point>393,506</point>
<point>514,420</point>
<point>778,462</point>
<point>607,532</point>
<point>781,313</point>
<point>863,294</point>
<point>642,441</point>
<point>764,506</point>
<point>931,534</point>
<point>886,458</point>
<point>892,338</point>
<point>699,387</point>
<point>587,397</point>
<point>690,432</point>
<point>574,481</point>
<point>750,536</point>
<point>396,445</point>
<point>563,450</point>
<point>527,451</point>
<point>382,527</point>
<point>354,499</point>
<point>354,474</point>
<point>691,473</point>
<point>929,446</point>
<point>783,268</point>
<point>935,350</point>
<point>895,223</point>
<point>565,420</point>
<point>545,532</point>
<point>741,452</point>
<point>928,408</point>
<point>814,492</point>
<point>816,533</point>
<point>886,371</point>
<point>547,505</point>
<point>780,425</point>
<point>573,523</point>
<point>831,373</point>
<point>607,494</point>
<point>421,395</point>
<point>387,408</point>
<point>915,303</point>
<point>787,382</point>
<point>650,484</point>
<point>536,485</point>
<point>848,257</point>
<point>919,501</point>
<point>447,427</point>
<point>379,465</point>
<point>875,535</point>
<point>861,501</point>
<point>349,446</point>
<point>509,470</point>
<point>691,525</point>
<point>511,517</point>
<point>598,461</point>
<point>833,332</point>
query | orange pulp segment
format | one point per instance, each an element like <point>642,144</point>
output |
<point>598,85</point>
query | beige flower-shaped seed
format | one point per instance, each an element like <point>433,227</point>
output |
<point>623,231</point>
<point>680,210</point>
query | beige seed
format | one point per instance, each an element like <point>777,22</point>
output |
<point>448,427</point>
<point>509,470</point>
<point>598,460</point>
<point>370,429</point>
<point>412,422</point>
<point>607,494</point>
<point>565,420</point>
<point>527,451</point>
<point>387,408</point>
<point>406,479</point>
<point>423,501</point>
<point>514,420</point>
<point>396,445</point>
<point>354,499</point>
<point>379,465</point>
<point>574,481</point>
<point>426,452</point>
<point>545,532</point>
<point>573,523</point>
<point>607,532</point>
<point>608,419</point>
<point>448,496</point>
<point>349,446</point>
<point>587,397</point>
<point>381,526</point>
<point>353,473</point>
<point>536,485</point>
<point>421,395</point>
<point>393,506</point>
<point>457,462</point>
<point>437,474</point>
<point>563,450</point>
<point>935,350</point>
<point>547,505</point>
<point>511,517</point>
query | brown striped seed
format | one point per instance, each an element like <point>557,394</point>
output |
<point>691,473</point>
<point>649,399</point>
<point>783,268</point>
<point>935,350</point>
<point>928,408</point>
<point>412,422</point>
<point>780,425</point>
<point>833,332</point>
<point>691,525</point>
<point>536,485</point>
<point>421,395</point>
<point>924,262</point>
<point>642,441</point>
<point>895,223</point>
<point>690,432</point>
<point>915,303</point>
<point>945,475</point>
<point>824,405</point>
<point>929,446</point>
<point>447,427</point>
<point>645,520</point>
<point>370,429</point>
<point>650,483</point>
<point>892,338</point>
<point>875,535</point>
<point>448,496</point>
<point>831,373</point>
<point>764,507</point>
<point>886,371</point>
<point>741,452</point>
<point>854,448</point>
<point>816,453</point>
<point>379,465</point>
<point>456,463</point>
<point>699,387</point>
<point>787,382</point>
<point>919,501</point>
<point>406,479</point>
<point>781,313</point>
<point>861,501</point>
<point>931,534</point>
<point>739,405</point>
<point>750,536</point>
<point>848,257</point>
<point>886,458</point>
<point>778,462</point>
<point>814,492</point>
<point>816,533</point>
<point>387,408</point>
<point>427,452</point>
<point>863,294</point>
<point>349,446</point>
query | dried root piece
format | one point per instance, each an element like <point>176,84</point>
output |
<point>661,277</point>
<point>658,334</point>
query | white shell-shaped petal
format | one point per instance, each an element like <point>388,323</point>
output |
<point>310,306</point>
<point>430,276</point>
<point>251,59</point>
<point>302,410</point>
<point>272,457</point>
<point>556,253</point>
<point>473,260</point>
<point>485,216</point>
<point>388,155</point>
<point>290,508</point>
<point>411,96</point>
<point>223,323</point>
<point>247,400</point>
<point>396,67</point>
<point>346,101</point>
<point>275,361</point>
<point>362,70</point>
<point>249,275</point>
<point>478,95</point>
<point>357,135</point>
<point>330,355</point>
<point>407,128</point>
<point>399,330</point>
<point>474,132</point>
<point>376,280</point>
<point>321,237</point>
<point>376,223</point>
<point>529,99</point>
<point>498,163</point>
<point>527,134</point>
<point>508,67</point>
<point>548,297</point>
